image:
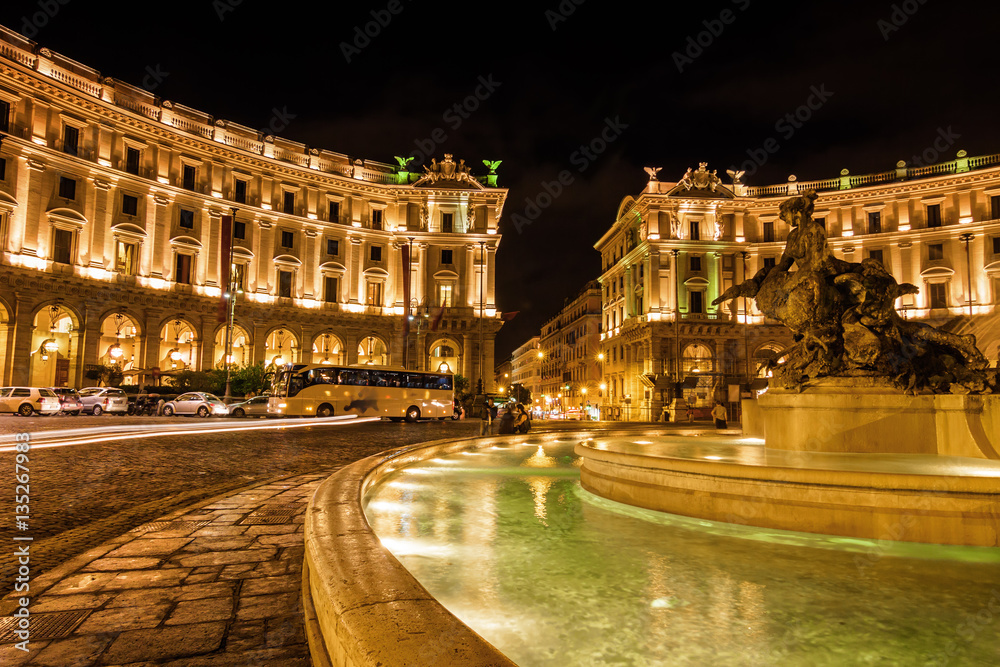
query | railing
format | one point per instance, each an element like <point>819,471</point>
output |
<point>89,87</point>
<point>17,55</point>
<point>141,108</point>
<point>250,145</point>
<point>182,123</point>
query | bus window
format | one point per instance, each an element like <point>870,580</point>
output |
<point>295,385</point>
<point>443,382</point>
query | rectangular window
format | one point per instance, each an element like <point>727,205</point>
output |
<point>821,222</point>
<point>935,251</point>
<point>445,295</point>
<point>332,247</point>
<point>186,219</point>
<point>996,245</point>
<point>130,205</point>
<point>239,276</point>
<point>285,284</point>
<point>189,175</point>
<point>768,232</point>
<point>335,211</point>
<point>875,222</point>
<point>126,257</point>
<point>939,295</point>
<point>934,215</point>
<point>239,230</point>
<point>695,230</point>
<point>62,246</point>
<point>288,203</point>
<point>995,207</point>
<point>288,240</point>
<point>696,262</point>
<point>696,299</point>
<point>373,294</point>
<point>4,116</point>
<point>3,169</point>
<point>67,188</point>
<point>331,289</point>
<point>71,140</point>
<point>377,218</point>
<point>876,255</point>
<point>182,269</point>
<point>240,191</point>
<point>446,257</point>
<point>132,160</point>
<point>447,222</point>
<point>769,262</point>
<point>376,253</point>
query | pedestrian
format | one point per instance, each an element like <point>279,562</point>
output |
<point>506,423</point>
<point>159,407</point>
<point>494,410</point>
<point>690,413</point>
<point>522,423</point>
<point>489,411</point>
<point>719,413</point>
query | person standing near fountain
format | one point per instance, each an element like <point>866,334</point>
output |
<point>719,414</point>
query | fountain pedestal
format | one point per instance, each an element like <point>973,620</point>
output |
<point>869,416</point>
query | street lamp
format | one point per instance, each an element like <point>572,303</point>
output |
<point>966,238</point>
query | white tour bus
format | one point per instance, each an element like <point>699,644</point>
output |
<point>367,391</point>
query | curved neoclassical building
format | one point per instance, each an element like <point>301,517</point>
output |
<point>678,245</point>
<point>111,206</point>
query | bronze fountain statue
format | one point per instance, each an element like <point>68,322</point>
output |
<point>843,319</point>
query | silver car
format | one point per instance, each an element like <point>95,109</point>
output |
<point>97,400</point>
<point>195,403</point>
<point>255,407</point>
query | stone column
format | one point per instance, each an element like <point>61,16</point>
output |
<point>355,275</point>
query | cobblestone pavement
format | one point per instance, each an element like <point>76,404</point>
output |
<point>218,584</point>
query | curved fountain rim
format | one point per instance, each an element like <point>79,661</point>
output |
<point>361,604</point>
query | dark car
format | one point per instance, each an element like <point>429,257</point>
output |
<point>69,400</point>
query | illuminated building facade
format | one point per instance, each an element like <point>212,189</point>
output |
<point>111,201</point>
<point>569,343</point>
<point>677,246</point>
<point>525,364</point>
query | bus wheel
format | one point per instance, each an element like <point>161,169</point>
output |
<point>412,413</point>
<point>325,410</point>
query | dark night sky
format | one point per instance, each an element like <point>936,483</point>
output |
<point>893,92</point>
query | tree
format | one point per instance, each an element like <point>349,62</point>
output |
<point>249,379</point>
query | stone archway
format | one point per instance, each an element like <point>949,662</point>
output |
<point>281,346</point>
<point>178,346</point>
<point>444,355</point>
<point>55,347</point>
<point>242,351</point>
<point>373,350</point>
<point>328,349</point>
<point>120,346</point>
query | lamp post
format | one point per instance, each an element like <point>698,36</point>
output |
<point>966,238</point>
<point>409,281</point>
<point>227,355</point>
<point>600,379</point>
<point>482,277</point>
<point>677,323</point>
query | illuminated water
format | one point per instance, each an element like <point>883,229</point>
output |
<point>508,541</point>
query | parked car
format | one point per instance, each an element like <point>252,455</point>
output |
<point>27,400</point>
<point>97,400</point>
<point>255,407</point>
<point>69,400</point>
<point>195,403</point>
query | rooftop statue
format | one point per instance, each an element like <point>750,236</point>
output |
<point>843,319</point>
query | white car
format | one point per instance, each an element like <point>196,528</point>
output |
<point>27,400</point>
<point>97,400</point>
<point>195,403</point>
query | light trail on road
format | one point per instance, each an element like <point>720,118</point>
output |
<point>70,437</point>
